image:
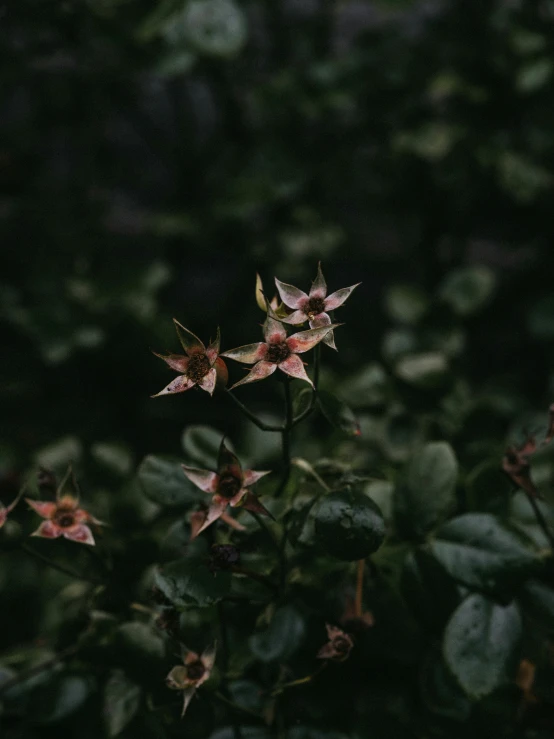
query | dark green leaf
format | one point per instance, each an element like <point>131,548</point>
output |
<point>121,702</point>
<point>428,590</point>
<point>406,303</point>
<point>468,289</point>
<point>348,524</point>
<point>187,582</point>
<point>163,481</point>
<point>63,696</point>
<point>338,413</point>
<point>538,599</point>
<point>480,641</point>
<point>477,550</point>
<point>281,638</point>
<point>440,691</point>
<point>426,370</point>
<point>201,446</point>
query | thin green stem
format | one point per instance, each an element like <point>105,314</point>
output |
<point>302,464</point>
<point>252,416</point>
<point>541,520</point>
<point>311,405</point>
<point>285,438</point>
<point>59,567</point>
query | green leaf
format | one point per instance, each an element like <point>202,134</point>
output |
<point>468,289</point>
<point>141,649</point>
<point>406,303</point>
<point>282,637</point>
<point>215,27</point>
<point>201,445</point>
<point>542,472</point>
<point>187,582</point>
<point>368,388</point>
<point>163,481</point>
<point>426,370</point>
<point>338,413</point>
<point>480,642</point>
<point>348,524</point>
<point>63,696</point>
<point>477,550</point>
<point>534,75</point>
<point>522,518</point>
<point>121,702</point>
<point>427,495</point>
<point>538,599</point>
<point>440,691</point>
<point>428,590</point>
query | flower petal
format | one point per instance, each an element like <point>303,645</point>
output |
<point>306,340</point>
<point>333,631</point>
<point>228,463</point>
<point>294,367</point>
<point>177,362</point>
<point>249,353</point>
<point>290,295</point>
<point>196,520</point>
<point>176,678</point>
<point>189,341</point>
<point>80,533</point>
<point>327,651</point>
<point>251,476</point>
<point>178,385</point>
<point>221,372</point>
<point>252,503</point>
<point>217,506</point>
<point>274,331</point>
<point>203,479</point>
<point>322,319</point>
<point>296,318</point>
<point>187,696</point>
<point>208,657</point>
<point>46,509</point>
<point>48,530</point>
<point>232,522</point>
<point>236,499</point>
<point>82,516</point>
<point>209,380</point>
<point>258,372</point>
<point>336,299</point>
<point>319,286</point>
<point>213,350</point>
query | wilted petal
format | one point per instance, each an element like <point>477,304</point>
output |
<point>176,679</point>
<point>178,385</point>
<point>252,503</point>
<point>327,651</point>
<point>306,340</point>
<point>187,696</point>
<point>217,506</point>
<point>296,318</point>
<point>227,462</point>
<point>189,341</point>
<point>209,380</point>
<point>232,522</point>
<point>258,372</point>
<point>319,286</point>
<point>213,350</point>
<point>48,530</point>
<point>208,658</point>
<point>323,320</point>
<point>222,374</point>
<point>336,299</point>
<point>203,479</point>
<point>294,367</point>
<point>251,476</point>
<point>177,362</point>
<point>196,519</point>
<point>248,354</point>
<point>46,509</point>
<point>274,331</point>
<point>81,534</point>
<point>290,295</point>
<point>333,631</point>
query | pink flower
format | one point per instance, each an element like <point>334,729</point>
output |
<point>197,520</point>
<point>200,366</point>
<point>194,671</point>
<point>338,647</point>
<point>6,510</point>
<point>315,306</point>
<point>278,351</point>
<point>63,518</point>
<point>228,486</point>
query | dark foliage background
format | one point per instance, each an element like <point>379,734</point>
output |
<point>153,158</point>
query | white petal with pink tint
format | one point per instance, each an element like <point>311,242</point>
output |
<point>306,340</point>
<point>251,476</point>
<point>203,479</point>
<point>319,286</point>
<point>178,385</point>
<point>177,362</point>
<point>208,658</point>
<point>48,530</point>
<point>207,383</point>
<point>187,696</point>
<point>291,296</point>
<point>274,331</point>
<point>249,353</point>
<point>213,350</point>
<point>189,341</point>
<point>46,509</point>
<point>337,298</point>
<point>322,319</point>
<point>258,372</point>
<point>294,367</point>
<point>296,318</point>
<point>81,534</point>
<point>217,506</point>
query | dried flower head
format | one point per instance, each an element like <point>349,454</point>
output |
<point>194,671</point>
<point>277,351</point>
<point>64,517</point>
<point>315,306</point>
<point>228,486</point>
<point>338,647</point>
<point>200,366</point>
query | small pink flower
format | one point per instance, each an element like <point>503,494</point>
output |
<point>278,351</point>
<point>228,486</point>
<point>64,518</point>
<point>338,647</point>
<point>315,306</point>
<point>197,520</point>
<point>6,510</point>
<point>194,671</point>
<point>200,366</point>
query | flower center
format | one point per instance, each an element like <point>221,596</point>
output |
<point>195,670</point>
<point>315,307</point>
<point>228,486</point>
<point>64,518</point>
<point>341,644</point>
<point>277,353</point>
<point>198,367</point>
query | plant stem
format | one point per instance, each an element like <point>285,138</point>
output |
<point>37,669</point>
<point>541,520</point>
<point>302,464</point>
<point>359,587</point>
<point>311,405</point>
<point>300,681</point>
<point>59,567</point>
<point>237,733</point>
<point>252,416</point>
<point>285,438</point>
